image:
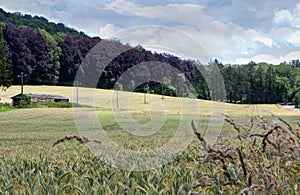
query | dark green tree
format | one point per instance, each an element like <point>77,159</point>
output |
<point>5,71</point>
<point>250,88</point>
<point>54,51</point>
<point>166,86</point>
<point>259,85</point>
<point>297,100</point>
<point>241,84</point>
<point>270,93</point>
<point>282,88</point>
<point>230,83</point>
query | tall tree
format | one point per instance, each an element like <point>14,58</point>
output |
<point>68,59</point>
<point>18,53</point>
<point>41,63</point>
<point>54,51</point>
<point>27,53</point>
<point>270,95</point>
<point>230,83</point>
<point>297,100</point>
<point>5,71</point>
<point>259,86</point>
<point>73,52</point>
<point>250,93</point>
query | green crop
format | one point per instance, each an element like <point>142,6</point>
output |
<point>260,158</point>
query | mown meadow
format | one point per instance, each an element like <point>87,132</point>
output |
<point>257,151</point>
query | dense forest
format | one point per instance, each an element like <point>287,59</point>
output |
<point>49,53</point>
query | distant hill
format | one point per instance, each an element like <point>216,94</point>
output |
<point>49,53</point>
<point>20,20</point>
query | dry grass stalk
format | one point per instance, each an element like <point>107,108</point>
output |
<point>237,127</point>
<point>81,140</point>
<point>263,162</point>
<point>215,154</point>
<point>242,162</point>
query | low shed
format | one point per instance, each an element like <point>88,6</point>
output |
<point>39,98</point>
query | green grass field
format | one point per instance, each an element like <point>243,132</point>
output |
<point>30,165</point>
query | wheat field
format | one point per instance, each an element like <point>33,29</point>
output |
<point>256,153</point>
<point>106,99</point>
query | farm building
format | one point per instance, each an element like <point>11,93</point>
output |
<point>39,98</point>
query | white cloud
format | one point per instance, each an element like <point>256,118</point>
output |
<point>281,35</point>
<point>49,8</point>
<point>298,7</point>
<point>287,17</point>
<point>109,30</point>
<point>292,20</point>
<point>258,59</point>
<point>295,39</point>
<point>220,40</point>
<point>165,39</point>
<point>265,40</point>
<point>269,58</point>
<point>175,12</point>
<point>283,16</point>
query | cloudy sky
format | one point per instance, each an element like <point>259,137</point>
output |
<point>232,31</point>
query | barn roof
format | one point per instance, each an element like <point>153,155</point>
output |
<point>43,96</point>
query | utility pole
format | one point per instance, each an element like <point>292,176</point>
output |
<point>118,87</point>
<point>118,98</point>
<point>145,99</point>
<point>77,93</point>
<point>22,75</point>
<point>162,91</point>
<point>76,84</point>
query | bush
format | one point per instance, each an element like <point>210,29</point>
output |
<point>5,107</point>
<point>60,105</point>
<point>56,104</point>
<point>25,102</point>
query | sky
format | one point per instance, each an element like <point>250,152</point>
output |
<point>232,31</point>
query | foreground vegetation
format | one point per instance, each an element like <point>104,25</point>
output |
<point>5,107</point>
<point>256,152</point>
<point>260,158</point>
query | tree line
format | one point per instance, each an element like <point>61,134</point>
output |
<point>49,53</point>
<point>261,83</point>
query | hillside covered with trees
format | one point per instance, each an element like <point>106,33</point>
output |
<point>49,53</point>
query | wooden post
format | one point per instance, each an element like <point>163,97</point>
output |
<point>22,75</point>
<point>22,83</point>
<point>77,96</point>
<point>118,99</point>
<point>162,91</point>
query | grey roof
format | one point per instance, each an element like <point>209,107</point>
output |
<point>44,96</point>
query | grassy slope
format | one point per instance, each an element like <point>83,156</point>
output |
<point>103,99</point>
<point>44,125</point>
